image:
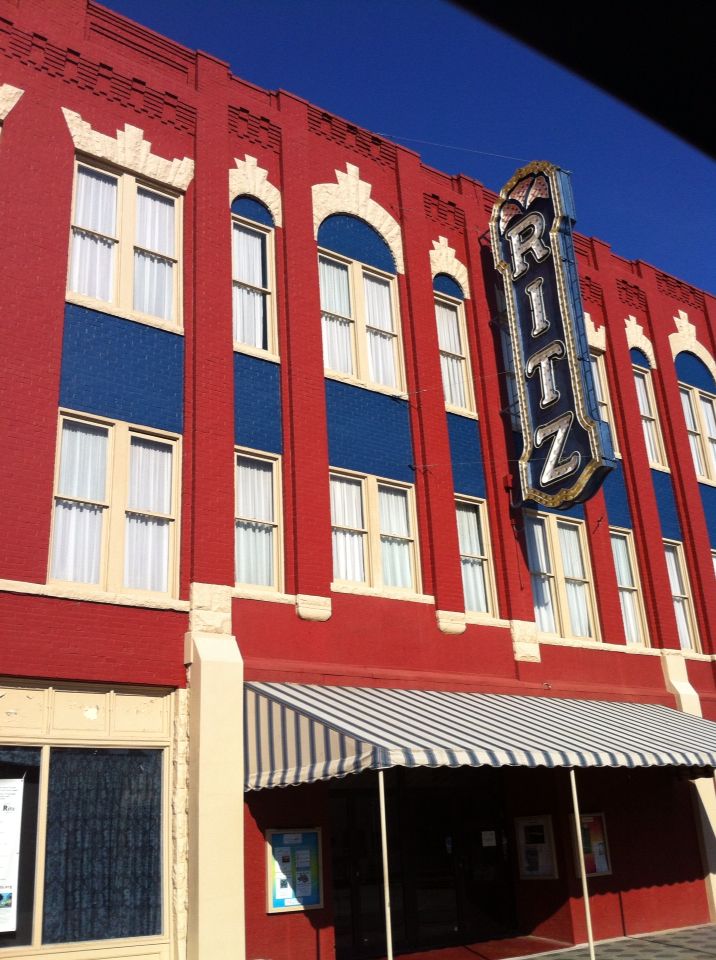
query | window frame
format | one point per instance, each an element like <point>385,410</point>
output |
<point>480,504</point>
<point>45,746</point>
<point>700,434</point>
<point>122,302</point>
<point>116,507</point>
<point>372,534</point>
<point>359,326</point>
<point>271,352</point>
<point>470,407</point>
<point>686,598</point>
<point>660,463</point>
<point>558,579</point>
<point>598,363</point>
<point>277,563</point>
<point>635,590</point>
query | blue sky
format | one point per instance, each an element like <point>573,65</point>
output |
<point>424,70</point>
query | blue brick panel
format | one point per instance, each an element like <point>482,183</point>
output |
<point>257,404</point>
<point>670,526</point>
<point>616,496</point>
<point>466,453</point>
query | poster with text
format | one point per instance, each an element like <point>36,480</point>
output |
<point>294,874</point>
<point>10,819</point>
<point>594,842</point>
<point>535,845</point>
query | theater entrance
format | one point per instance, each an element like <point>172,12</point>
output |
<point>450,861</point>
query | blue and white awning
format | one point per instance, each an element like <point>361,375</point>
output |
<point>299,733</point>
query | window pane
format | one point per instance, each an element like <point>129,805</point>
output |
<point>348,544</point>
<point>83,461</point>
<point>337,347</point>
<point>468,529</point>
<point>96,202</point>
<point>622,561</point>
<point>333,278</point>
<point>377,303</point>
<point>249,256</point>
<point>540,568</point>
<point>249,311</point>
<point>103,848</point>
<point>153,285</point>
<point>708,410</point>
<point>77,539</point>
<point>448,328</point>
<point>254,489</point>
<point>150,476</point>
<point>578,604</point>
<point>19,781</point>
<point>92,265</point>
<point>452,369</point>
<point>381,358</point>
<point>473,584</point>
<point>155,222</point>
<point>628,601</point>
<point>254,551</point>
<point>346,502</point>
<point>394,517</point>
<point>348,556</point>
<point>395,560</point>
<point>680,597</point>
<point>146,558</point>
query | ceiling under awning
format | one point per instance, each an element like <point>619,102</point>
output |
<point>300,733</point>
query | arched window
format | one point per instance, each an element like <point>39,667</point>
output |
<point>452,341</point>
<point>252,274</point>
<point>698,400</point>
<point>647,410</point>
<point>359,304</point>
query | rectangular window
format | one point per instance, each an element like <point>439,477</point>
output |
<point>257,544</point>
<point>454,354</point>
<point>561,579</point>
<point>599,374</point>
<point>97,828</point>
<point>361,339</point>
<point>116,507</point>
<point>628,583</point>
<point>125,238</point>
<point>372,528</point>
<point>700,415</point>
<point>681,595</point>
<point>252,275</point>
<point>649,421</point>
<point>474,558</point>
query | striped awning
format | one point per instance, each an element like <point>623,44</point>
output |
<point>299,733</point>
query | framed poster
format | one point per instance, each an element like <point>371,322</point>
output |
<point>10,819</point>
<point>535,846</point>
<point>594,841</point>
<point>294,870</point>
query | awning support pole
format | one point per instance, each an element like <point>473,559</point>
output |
<point>386,876</point>
<point>582,868</point>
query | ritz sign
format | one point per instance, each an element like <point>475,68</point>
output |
<point>566,448</point>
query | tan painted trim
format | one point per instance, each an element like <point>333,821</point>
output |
<point>313,608</point>
<point>130,151</point>
<point>464,356</point>
<point>486,620</point>
<point>9,97</point>
<point>638,340</point>
<point>634,649</point>
<point>180,824</point>
<point>262,593</point>
<point>78,592</point>
<point>351,195</point>
<point>685,339</point>
<point>451,622</point>
<point>525,641</point>
<point>249,178</point>
<point>596,336</point>
<point>443,260</point>
<point>363,590</point>
<point>676,678</point>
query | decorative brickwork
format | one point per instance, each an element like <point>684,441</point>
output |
<point>256,130</point>
<point>637,339</point>
<point>351,137</point>
<point>591,290</point>
<point>250,178</point>
<point>443,260</point>
<point>444,212</point>
<point>630,294</point>
<point>680,291</point>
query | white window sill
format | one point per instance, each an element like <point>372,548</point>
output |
<point>244,591</point>
<point>256,352</point>
<point>114,310</point>
<point>387,593</point>
<point>373,387</point>
<point>80,591</point>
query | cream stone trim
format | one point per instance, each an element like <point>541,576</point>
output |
<point>638,340</point>
<point>78,592</point>
<point>443,260</point>
<point>9,96</point>
<point>180,822</point>
<point>352,195</point>
<point>479,618</point>
<point>685,340</point>
<point>389,593</point>
<point>525,641</point>
<point>250,178</point>
<point>210,613</point>
<point>264,594</point>
<point>451,622</point>
<point>596,336</point>
<point>313,608</point>
<point>676,677</point>
<point>129,150</point>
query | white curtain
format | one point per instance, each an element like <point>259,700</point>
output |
<point>249,272</point>
<point>709,413</point>
<point>78,525</point>
<point>153,268</point>
<point>627,588</point>
<point>146,556</point>
<point>693,431</point>
<point>381,336</point>
<point>471,559</point>
<point>647,419</point>
<point>95,222</point>
<point>395,548</point>
<point>348,544</point>
<point>540,569</point>
<point>678,592</point>
<point>336,316</point>
<point>451,356</point>
<point>576,588</point>
<point>254,534</point>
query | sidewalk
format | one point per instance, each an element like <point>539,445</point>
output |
<point>691,943</point>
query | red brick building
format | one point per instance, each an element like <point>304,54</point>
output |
<point>254,428</point>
